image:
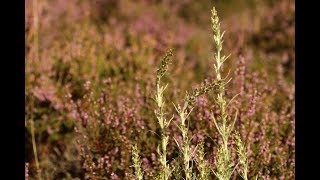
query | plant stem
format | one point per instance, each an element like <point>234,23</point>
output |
<point>165,171</point>
<point>34,146</point>
<point>223,162</point>
<point>224,169</point>
<point>137,163</point>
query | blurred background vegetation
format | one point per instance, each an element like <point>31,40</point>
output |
<point>91,65</point>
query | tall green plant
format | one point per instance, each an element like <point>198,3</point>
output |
<point>224,164</point>
<point>163,123</point>
<point>183,113</point>
<point>137,163</point>
<point>241,151</point>
<point>204,169</point>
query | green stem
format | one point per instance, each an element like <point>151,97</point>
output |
<point>34,146</point>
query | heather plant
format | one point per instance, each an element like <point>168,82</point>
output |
<point>102,131</point>
<point>26,171</point>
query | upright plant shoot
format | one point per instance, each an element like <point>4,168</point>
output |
<point>223,161</point>
<point>163,123</point>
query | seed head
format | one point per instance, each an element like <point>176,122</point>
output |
<point>205,87</point>
<point>164,65</point>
